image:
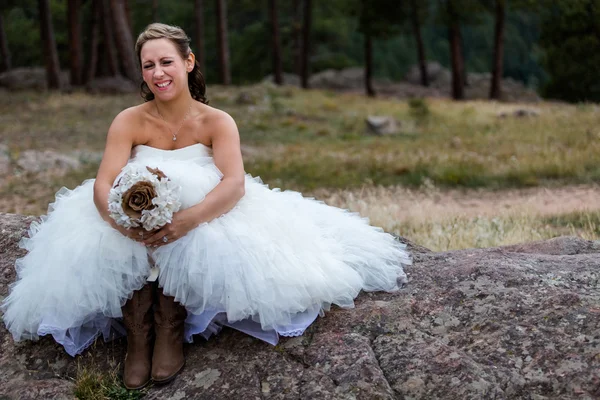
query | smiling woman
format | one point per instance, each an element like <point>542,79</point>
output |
<point>165,67</point>
<point>236,253</point>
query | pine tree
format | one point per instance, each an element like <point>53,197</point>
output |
<point>124,40</point>
<point>75,47</point>
<point>199,25</point>
<point>275,43</point>
<point>5,60</point>
<point>223,42</point>
<point>49,44</point>
<point>306,28</point>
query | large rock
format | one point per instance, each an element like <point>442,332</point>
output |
<point>519,322</point>
<point>477,86</point>
<point>5,160</point>
<point>435,73</point>
<point>38,161</point>
<point>288,79</point>
<point>345,79</point>
<point>111,85</point>
<point>29,78</point>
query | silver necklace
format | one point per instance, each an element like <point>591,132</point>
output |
<point>178,129</point>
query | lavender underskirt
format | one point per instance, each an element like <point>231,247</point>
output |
<point>76,339</point>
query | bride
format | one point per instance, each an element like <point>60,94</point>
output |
<point>237,254</point>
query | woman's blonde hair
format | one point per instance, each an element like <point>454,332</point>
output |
<point>182,43</point>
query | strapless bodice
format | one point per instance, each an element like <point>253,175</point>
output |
<point>184,153</point>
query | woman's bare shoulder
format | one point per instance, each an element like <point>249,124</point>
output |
<point>215,118</point>
<point>132,114</point>
<point>130,122</point>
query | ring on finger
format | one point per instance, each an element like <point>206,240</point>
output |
<point>165,239</point>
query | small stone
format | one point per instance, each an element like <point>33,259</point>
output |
<point>381,125</point>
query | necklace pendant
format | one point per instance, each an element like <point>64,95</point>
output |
<point>174,138</point>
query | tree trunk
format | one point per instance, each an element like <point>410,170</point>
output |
<point>416,24</point>
<point>222,42</point>
<point>463,58</point>
<point>199,15</point>
<point>90,71</point>
<point>297,36</point>
<point>128,16</point>
<point>307,16</point>
<point>457,62</point>
<point>497,63</point>
<point>75,50</point>
<point>50,53</point>
<point>369,66</point>
<point>155,10</point>
<point>124,41</point>
<point>110,50</point>
<point>275,42</point>
<point>5,61</point>
<point>455,54</point>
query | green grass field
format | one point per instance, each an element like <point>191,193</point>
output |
<point>315,142</point>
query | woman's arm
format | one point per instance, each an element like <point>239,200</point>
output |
<point>116,153</point>
<point>228,158</point>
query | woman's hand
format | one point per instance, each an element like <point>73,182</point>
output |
<point>182,223</point>
<point>137,234</point>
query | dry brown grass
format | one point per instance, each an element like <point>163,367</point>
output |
<point>314,141</point>
<point>455,219</point>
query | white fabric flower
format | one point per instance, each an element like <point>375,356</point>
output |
<point>166,202</point>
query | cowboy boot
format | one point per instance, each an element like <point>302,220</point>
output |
<point>137,318</point>
<point>169,318</point>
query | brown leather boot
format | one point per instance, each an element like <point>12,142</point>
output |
<point>169,318</point>
<point>137,317</point>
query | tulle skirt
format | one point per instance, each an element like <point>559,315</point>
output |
<point>267,267</point>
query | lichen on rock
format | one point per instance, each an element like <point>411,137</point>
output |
<point>512,322</point>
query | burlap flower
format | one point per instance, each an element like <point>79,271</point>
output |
<point>138,198</point>
<point>159,174</point>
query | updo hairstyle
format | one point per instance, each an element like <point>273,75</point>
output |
<point>182,43</point>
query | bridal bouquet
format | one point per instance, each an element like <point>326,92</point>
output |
<point>143,197</point>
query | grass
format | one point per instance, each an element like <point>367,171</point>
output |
<point>586,224</point>
<point>481,232</point>
<point>91,384</point>
<point>315,142</point>
<point>315,139</point>
<point>442,220</point>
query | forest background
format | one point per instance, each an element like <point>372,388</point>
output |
<point>550,46</point>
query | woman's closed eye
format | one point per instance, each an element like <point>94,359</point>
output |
<point>152,65</point>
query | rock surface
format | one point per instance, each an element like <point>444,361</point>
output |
<point>30,79</point>
<point>111,85</point>
<point>440,83</point>
<point>38,161</point>
<point>5,161</point>
<point>518,322</point>
<point>381,125</point>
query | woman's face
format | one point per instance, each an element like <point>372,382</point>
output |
<point>163,69</point>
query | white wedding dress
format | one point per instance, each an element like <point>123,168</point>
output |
<point>268,267</point>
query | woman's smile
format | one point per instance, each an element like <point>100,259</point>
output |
<point>162,86</point>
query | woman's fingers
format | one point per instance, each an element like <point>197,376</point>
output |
<point>137,234</point>
<point>157,239</point>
